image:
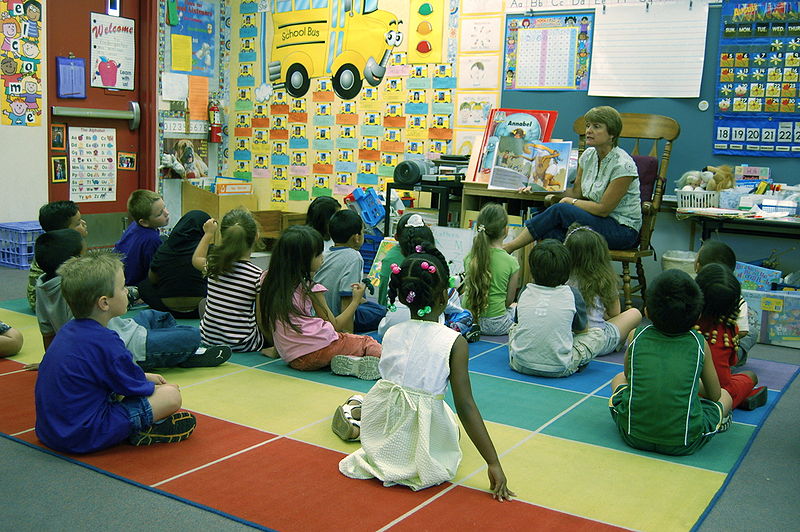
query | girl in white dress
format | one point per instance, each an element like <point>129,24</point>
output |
<point>409,435</point>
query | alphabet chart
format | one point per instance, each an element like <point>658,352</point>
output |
<point>92,164</point>
<point>758,78</point>
<point>547,52</point>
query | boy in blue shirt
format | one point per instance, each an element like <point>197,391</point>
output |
<point>343,267</point>
<point>89,393</point>
<point>141,239</point>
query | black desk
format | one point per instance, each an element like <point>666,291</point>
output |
<point>788,227</point>
<point>442,189</point>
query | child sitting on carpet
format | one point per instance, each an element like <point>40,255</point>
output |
<point>54,215</point>
<point>593,275</point>
<point>656,401</point>
<point>309,340</point>
<point>719,252</point>
<point>89,394</point>
<point>408,434</point>
<point>551,338</point>
<point>319,215</point>
<point>721,294</point>
<point>229,316</point>
<point>10,340</point>
<point>141,239</point>
<point>154,338</point>
<point>491,275</point>
<point>344,266</point>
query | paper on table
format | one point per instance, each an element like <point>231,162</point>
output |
<point>198,97</point>
<point>174,87</point>
<point>181,53</point>
<point>652,52</point>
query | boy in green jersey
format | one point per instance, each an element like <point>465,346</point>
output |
<point>657,403</point>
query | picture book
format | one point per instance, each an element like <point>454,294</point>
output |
<point>540,166</point>
<point>374,274</point>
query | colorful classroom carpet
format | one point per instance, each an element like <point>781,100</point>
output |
<point>263,451</point>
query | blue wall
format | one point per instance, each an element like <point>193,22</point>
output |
<point>693,148</point>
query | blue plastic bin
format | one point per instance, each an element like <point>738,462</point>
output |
<point>16,243</point>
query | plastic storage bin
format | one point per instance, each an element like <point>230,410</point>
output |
<point>680,260</point>
<point>371,244</point>
<point>697,199</point>
<point>16,243</point>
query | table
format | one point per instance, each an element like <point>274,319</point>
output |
<point>443,190</point>
<point>788,227</point>
<point>475,195</point>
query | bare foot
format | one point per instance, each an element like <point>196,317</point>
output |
<point>270,352</point>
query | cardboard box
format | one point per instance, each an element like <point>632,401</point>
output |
<point>215,205</point>
<point>774,317</point>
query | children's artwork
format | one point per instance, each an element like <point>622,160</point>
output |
<point>197,26</point>
<point>478,71</point>
<point>58,169</point>
<point>113,59</point>
<point>473,108</point>
<point>509,142</point>
<point>481,34</point>
<point>92,163</point>
<point>540,166</point>
<point>548,52</point>
<point>758,80</point>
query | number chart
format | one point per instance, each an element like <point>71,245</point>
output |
<point>757,108</point>
<point>547,52</point>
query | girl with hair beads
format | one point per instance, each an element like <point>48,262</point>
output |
<point>319,215</point>
<point>492,275</point>
<point>233,282</point>
<point>721,292</point>
<point>593,275</point>
<point>309,340</point>
<point>409,435</point>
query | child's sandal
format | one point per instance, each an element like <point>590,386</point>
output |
<point>344,425</point>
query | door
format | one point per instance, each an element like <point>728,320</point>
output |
<point>68,34</point>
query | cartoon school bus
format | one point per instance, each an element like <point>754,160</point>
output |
<point>349,40</point>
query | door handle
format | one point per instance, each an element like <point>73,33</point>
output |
<point>133,115</point>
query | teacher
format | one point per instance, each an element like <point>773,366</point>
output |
<point>605,195</point>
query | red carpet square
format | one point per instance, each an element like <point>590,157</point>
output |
<point>211,440</point>
<point>288,485</point>
<point>469,509</point>
<point>16,394</point>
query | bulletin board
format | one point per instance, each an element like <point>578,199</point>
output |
<point>758,78</point>
<point>548,52</point>
<point>694,147</point>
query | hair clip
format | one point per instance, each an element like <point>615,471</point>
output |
<point>451,282</point>
<point>392,307</point>
<point>415,220</point>
<point>481,228</point>
<point>410,296</point>
<point>429,267</point>
<point>580,227</point>
<point>419,248</point>
<point>421,312</point>
<point>395,268</point>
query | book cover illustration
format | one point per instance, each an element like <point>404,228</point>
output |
<point>509,146</point>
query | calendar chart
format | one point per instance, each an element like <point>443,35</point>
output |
<point>756,107</point>
<point>547,52</point>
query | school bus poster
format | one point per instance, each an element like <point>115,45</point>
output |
<point>348,41</point>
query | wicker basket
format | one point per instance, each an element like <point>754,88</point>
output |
<point>694,199</point>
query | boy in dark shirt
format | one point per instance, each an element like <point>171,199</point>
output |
<point>141,239</point>
<point>90,394</point>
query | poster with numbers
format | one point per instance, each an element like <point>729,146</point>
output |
<point>548,52</point>
<point>92,164</point>
<point>758,78</point>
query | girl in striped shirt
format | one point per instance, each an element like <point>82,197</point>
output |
<point>233,282</point>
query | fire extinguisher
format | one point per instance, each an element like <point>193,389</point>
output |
<point>214,122</point>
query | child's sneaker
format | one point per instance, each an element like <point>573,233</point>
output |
<point>365,367</point>
<point>344,425</point>
<point>175,428</point>
<point>758,397</point>
<point>207,357</point>
<point>725,424</point>
<point>474,334</point>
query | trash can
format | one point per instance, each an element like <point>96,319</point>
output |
<point>679,259</point>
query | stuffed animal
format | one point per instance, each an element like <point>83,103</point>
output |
<point>722,177</point>
<point>694,179</point>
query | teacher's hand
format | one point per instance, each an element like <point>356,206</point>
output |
<point>524,189</point>
<point>567,199</point>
